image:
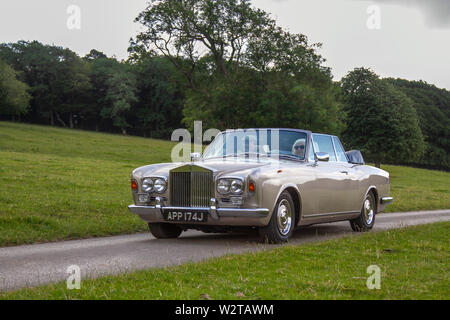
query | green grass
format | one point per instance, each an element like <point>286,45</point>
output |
<point>64,184</point>
<point>414,263</point>
<point>418,189</point>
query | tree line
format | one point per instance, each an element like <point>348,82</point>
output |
<point>230,65</point>
<point>57,87</point>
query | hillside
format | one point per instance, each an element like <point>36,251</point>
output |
<point>65,184</point>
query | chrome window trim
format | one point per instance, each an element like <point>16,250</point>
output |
<point>334,148</point>
<point>334,145</point>
<point>308,134</point>
<point>311,149</point>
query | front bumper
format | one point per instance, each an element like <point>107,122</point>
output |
<point>217,217</point>
<point>386,200</point>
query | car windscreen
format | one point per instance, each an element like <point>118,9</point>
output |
<point>257,143</point>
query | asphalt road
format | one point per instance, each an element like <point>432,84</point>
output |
<point>32,265</point>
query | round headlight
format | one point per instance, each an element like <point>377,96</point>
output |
<point>159,185</point>
<point>237,187</point>
<point>147,185</point>
<point>223,186</point>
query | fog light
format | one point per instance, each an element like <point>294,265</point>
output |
<point>143,198</point>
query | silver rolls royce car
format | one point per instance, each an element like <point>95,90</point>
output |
<point>272,180</point>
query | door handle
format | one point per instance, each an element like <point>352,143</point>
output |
<point>346,172</point>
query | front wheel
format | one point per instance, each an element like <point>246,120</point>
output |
<point>366,219</point>
<point>164,230</point>
<point>282,222</point>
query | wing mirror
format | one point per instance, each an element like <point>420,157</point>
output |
<point>323,156</point>
<point>195,156</point>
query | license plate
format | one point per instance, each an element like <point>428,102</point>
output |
<point>185,216</point>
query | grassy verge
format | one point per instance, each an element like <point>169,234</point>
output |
<point>414,264</point>
<point>418,189</point>
<point>62,184</point>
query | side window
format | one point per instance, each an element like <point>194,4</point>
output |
<point>323,143</point>
<point>339,150</point>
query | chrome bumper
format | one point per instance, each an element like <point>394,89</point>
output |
<point>217,216</point>
<point>386,200</point>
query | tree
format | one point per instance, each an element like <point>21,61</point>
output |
<point>14,97</point>
<point>160,96</point>
<point>433,108</point>
<point>38,66</point>
<point>113,93</point>
<point>101,69</point>
<point>380,120</point>
<point>241,69</point>
<point>120,94</point>
<point>57,77</point>
<point>187,30</point>
<point>94,54</point>
<point>72,87</point>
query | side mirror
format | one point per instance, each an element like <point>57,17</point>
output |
<point>323,156</point>
<point>195,156</point>
<point>355,157</point>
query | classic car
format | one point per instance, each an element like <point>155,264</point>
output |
<point>272,180</point>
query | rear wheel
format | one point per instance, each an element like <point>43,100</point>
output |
<point>164,230</point>
<point>282,223</point>
<point>366,219</point>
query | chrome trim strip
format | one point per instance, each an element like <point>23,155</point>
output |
<point>329,214</point>
<point>213,209</point>
<point>247,213</point>
<point>221,212</point>
<point>386,200</point>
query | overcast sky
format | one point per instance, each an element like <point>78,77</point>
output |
<point>396,38</point>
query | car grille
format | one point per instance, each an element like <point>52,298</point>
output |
<point>191,186</point>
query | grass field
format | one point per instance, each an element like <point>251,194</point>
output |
<point>414,264</point>
<point>64,184</point>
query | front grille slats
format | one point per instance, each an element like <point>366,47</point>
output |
<point>191,187</point>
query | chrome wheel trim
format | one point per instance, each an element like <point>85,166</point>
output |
<point>368,210</point>
<point>284,217</point>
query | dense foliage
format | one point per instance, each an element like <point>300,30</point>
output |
<point>433,108</point>
<point>380,120</point>
<point>94,92</point>
<point>14,97</point>
<point>241,69</point>
<point>228,64</point>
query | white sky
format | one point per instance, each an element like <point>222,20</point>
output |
<point>413,42</point>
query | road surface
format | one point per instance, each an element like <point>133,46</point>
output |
<point>32,265</point>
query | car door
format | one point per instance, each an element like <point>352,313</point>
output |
<point>331,178</point>
<point>350,184</point>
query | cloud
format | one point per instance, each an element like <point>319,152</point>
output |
<point>436,12</point>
